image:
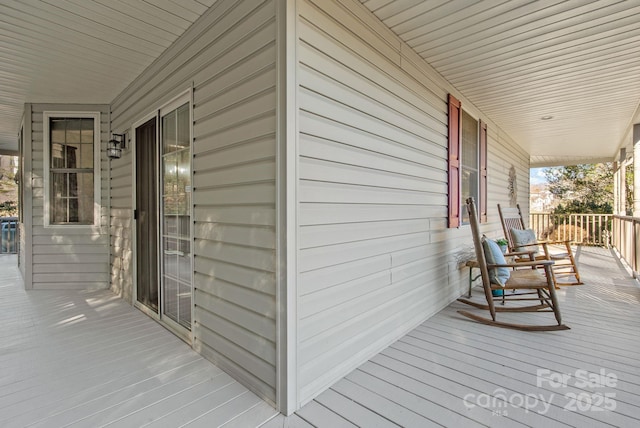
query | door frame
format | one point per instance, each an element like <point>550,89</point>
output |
<point>183,97</point>
<point>186,97</point>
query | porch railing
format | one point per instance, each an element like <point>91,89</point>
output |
<point>626,239</point>
<point>9,235</point>
<point>583,229</point>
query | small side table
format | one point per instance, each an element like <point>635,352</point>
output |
<point>472,264</point>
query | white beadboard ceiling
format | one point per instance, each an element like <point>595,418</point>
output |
<point>518,61</point>
<point>80,51</point>
<point>577,61</point>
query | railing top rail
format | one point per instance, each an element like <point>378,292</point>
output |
<point>626,217</point>
<point>592,214</point>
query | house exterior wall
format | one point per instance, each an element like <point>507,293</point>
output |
<point>375,257</point>
<point>62,257</point>
<point>373,254</point>
<point>228,59</point>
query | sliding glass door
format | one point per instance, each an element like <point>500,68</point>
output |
<point>175,209</point>
<point>163,217</point>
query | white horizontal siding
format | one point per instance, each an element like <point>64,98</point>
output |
<point>228,57</point>
<point>120,225</point>
<point>375,256</point>
<point>59,254</point>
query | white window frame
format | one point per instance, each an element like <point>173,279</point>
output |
<point>475,196</point>
<point>97,153</point>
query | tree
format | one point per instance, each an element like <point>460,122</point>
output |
<point>8,209</point>
<point>8,186</point>
<point>586,188</point>
<point>629,189</point>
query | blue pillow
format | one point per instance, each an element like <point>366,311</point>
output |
<point>493,254</point>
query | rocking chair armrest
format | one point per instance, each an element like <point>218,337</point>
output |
<point>566,241</point>
<point>533,244</point>
<point>522,264</point>
<point>518,253</point>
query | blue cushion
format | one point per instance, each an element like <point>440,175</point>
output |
<point>493,254</point>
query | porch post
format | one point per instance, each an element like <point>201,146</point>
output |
<point>636,167</point>
<point>620,194</point>
<point>27,199</point>
<point>616,187</point>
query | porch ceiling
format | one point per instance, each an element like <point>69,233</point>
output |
<point>516,60</point>
<point>80,51</point>
<point>521,60</point>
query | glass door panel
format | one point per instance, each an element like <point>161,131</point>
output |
<point>147,222</point>
<point>176,215</point>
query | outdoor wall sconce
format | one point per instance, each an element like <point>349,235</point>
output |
<point>115,146</point>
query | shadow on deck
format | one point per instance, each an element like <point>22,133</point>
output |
<point>89,359</point>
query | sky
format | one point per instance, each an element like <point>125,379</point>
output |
<point>536,176</point>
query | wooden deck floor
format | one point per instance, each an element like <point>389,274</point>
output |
<point>453,372</point>
<point>88,359</point>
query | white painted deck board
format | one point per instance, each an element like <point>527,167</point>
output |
<point>70,397</point>
<point>213,403</point>
<point>352,411</point>
<point>117,406</point>
<point>261,411</point>
<point>317,414</point>
<point>281,421</point>
<point>382,405</point>
<point>165,405</point>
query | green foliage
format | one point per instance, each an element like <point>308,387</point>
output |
<point>8,187</point>
<point>583,207</point>
<point>586,188</point>
<point>8,209</point>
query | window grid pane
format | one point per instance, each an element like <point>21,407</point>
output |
<point>176,233</point>
<point>71,170</point>
<point>469,162</point>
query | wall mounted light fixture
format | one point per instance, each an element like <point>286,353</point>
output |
<point>115,146</point>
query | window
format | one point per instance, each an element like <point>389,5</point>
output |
<point>467,163</point>
<point>72,153</point>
